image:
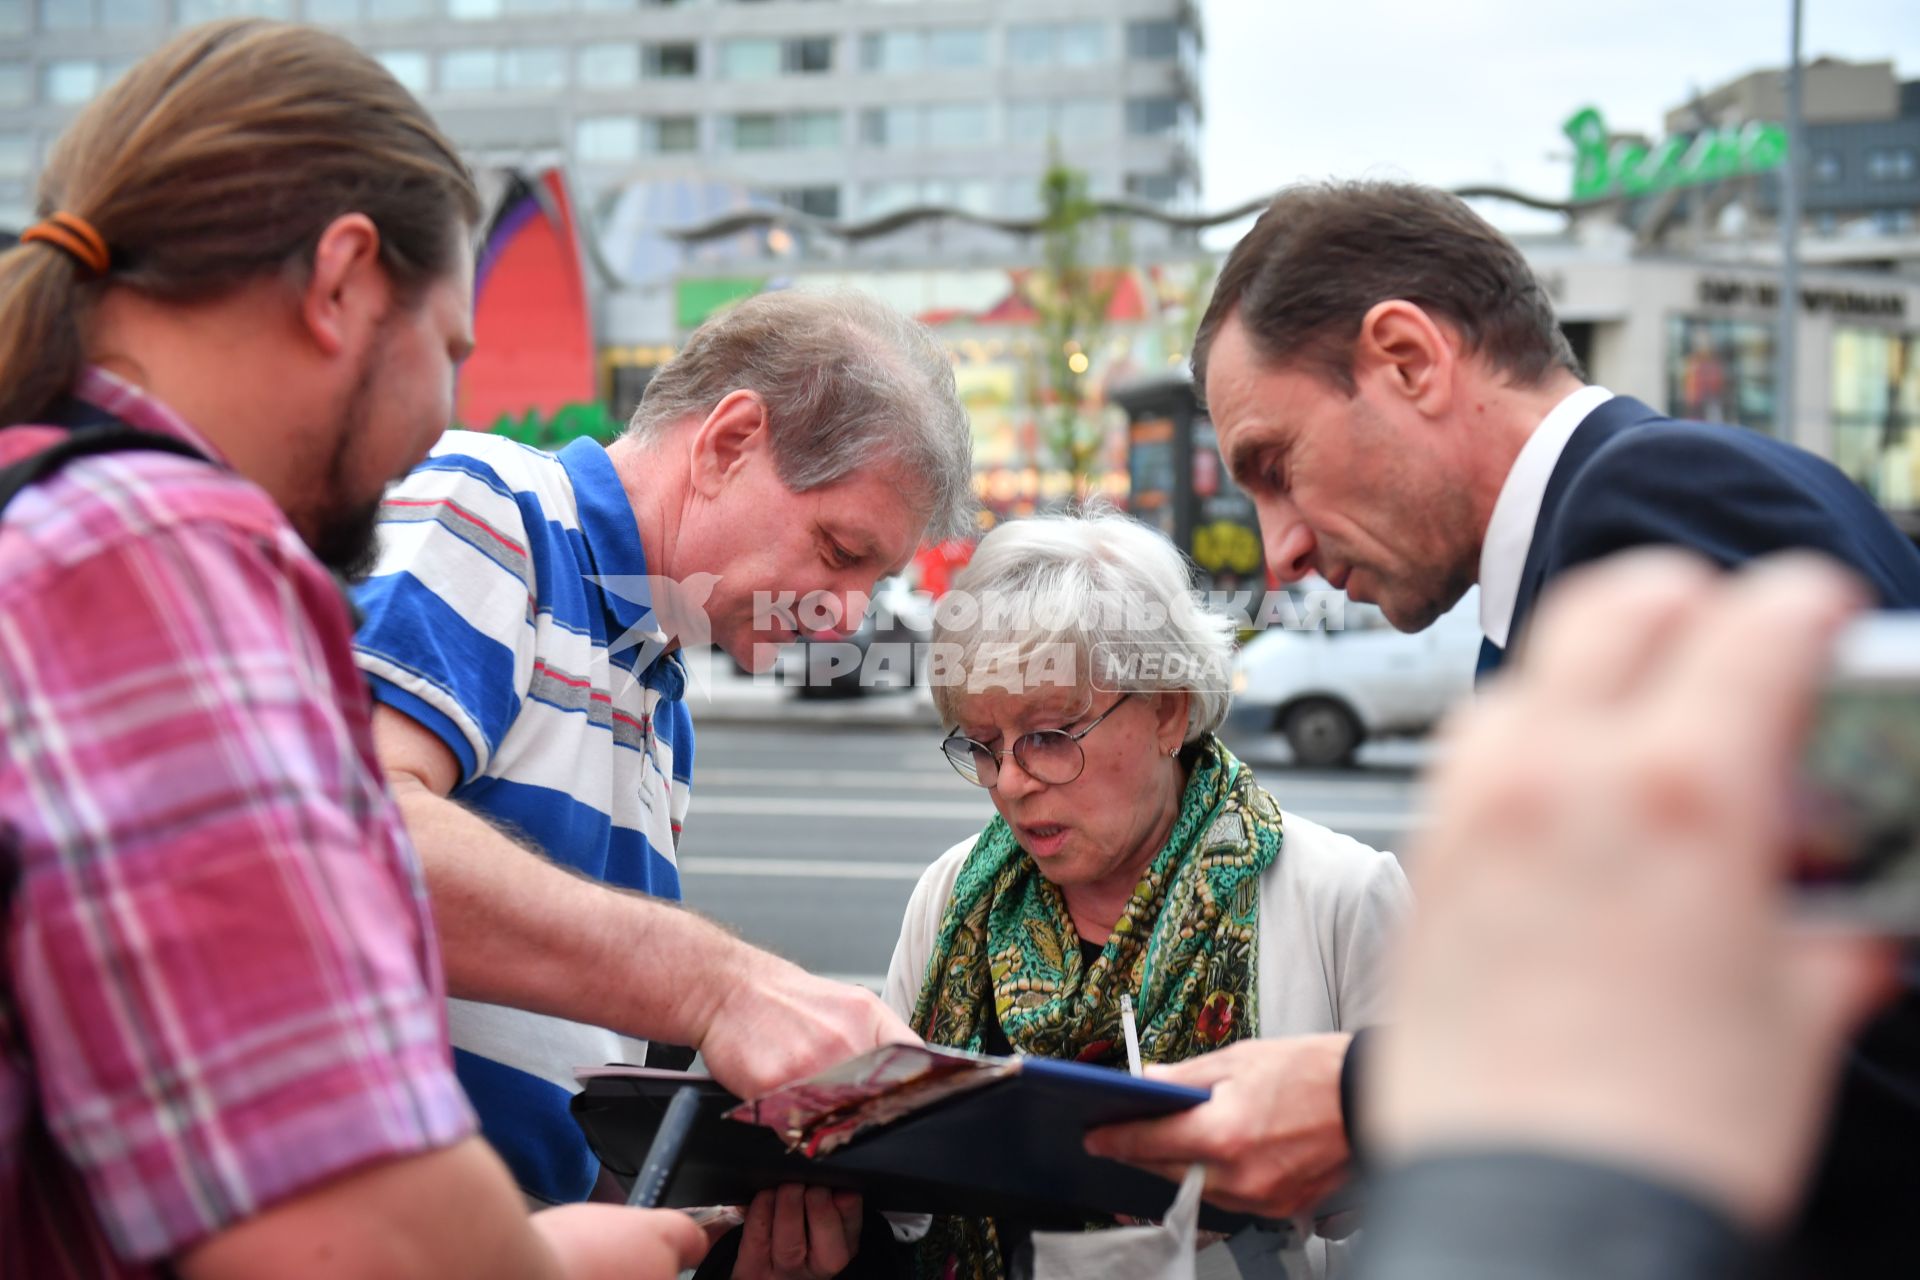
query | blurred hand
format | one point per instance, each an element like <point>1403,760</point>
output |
<point>1599,962</point>
<point>799,1233</point>
<point>1271,1134</point>
<point>612,1242</point>
<point>776,1023</point>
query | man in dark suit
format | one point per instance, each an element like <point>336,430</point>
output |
<point>1388,382</point>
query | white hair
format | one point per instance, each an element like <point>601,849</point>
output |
<point>849,383</point>
<point>1101,586</point>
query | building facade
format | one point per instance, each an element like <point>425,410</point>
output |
<point>841,109</point>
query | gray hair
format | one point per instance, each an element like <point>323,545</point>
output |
<point>848,383</point>
<point>1100,585</point>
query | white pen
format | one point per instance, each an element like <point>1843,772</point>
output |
<point>1132,1034</point>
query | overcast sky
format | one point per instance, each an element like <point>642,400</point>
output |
<point>1466,91</point>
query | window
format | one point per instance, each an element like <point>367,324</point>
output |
<point>880,198</point>
<point>749,59</point>
<point>815,202</point>
<point>1827,168</point>
<point>473,10</point>
<point>16,155</point>
<point>388,11</point>
<point>890,127</point>
<point>469,71</point>
<point>1030,45</point>
<point>1154,188</point>
<point>1020,198</point>
<point>676,135</point>
<point>943,124</point>
<point>334,11</point>
<point>71,81</point>
<point>607,139</point>
<point>767,131</point>
<point>809,55</point>
<point>892,51</point>
<point>1890,164</point>
<point>940,49</point>
<point>975,195</point>
<point>65,15</point>
<point>207,10</point>
<point>538,6</point>
<point>678,61</point>
<point>1083,119</point>
<point>408,66</point>
<point>13,17</point>
<point>956,48</point>
<point>757,131</point>
<point>1156,41</point>
<point>608,66</point>
<point>541,67</point>
<point>1029,120</point>
<point>16,90</point>
<point>1152,117</point>
<point>1057,44</point>
<point>1082,44</point>
<point>814,129</point>
<point>957,124</point>
<point>1893,222</point>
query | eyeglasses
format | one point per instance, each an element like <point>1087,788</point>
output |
<point>1052,756</point>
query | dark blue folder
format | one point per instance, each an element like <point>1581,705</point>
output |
<point>1011,1148</point>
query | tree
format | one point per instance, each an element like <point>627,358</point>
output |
<point>1070,298</point>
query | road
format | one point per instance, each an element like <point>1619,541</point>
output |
<point>808,840</point>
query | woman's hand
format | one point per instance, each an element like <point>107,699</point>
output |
<point>799,1233</point>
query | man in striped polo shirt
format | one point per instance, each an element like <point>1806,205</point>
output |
<point>532,715</point>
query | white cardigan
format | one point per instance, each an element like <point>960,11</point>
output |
<point>1328,906</point>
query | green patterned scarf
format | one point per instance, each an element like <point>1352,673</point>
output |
<point>1184,949</point>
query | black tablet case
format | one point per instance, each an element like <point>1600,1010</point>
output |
<point>1011,1148</point>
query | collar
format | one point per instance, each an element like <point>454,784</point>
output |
<point>139,408</point>
<point>1503,552</point>
<point>619,562</point>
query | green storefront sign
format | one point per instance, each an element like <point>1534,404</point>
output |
<point>1604,169</point>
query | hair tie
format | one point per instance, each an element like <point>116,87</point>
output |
<point>73,235</point>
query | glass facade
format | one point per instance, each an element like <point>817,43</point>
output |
<point>1721,371</point>
<point>1876,413</point>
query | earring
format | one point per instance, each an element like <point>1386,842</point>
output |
<point>1173,750</point>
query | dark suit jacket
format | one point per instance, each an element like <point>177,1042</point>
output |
<point>1630,477</point>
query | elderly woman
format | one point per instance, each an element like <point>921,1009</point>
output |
<point>1132,853</point>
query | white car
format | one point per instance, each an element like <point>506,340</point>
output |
<point>1330,689</point>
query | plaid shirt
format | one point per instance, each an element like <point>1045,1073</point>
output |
<point>220,984</point>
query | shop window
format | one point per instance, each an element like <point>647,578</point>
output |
<point>1876,413</point>
<point>1721,371</point>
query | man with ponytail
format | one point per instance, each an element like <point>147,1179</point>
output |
<point>223,1046</point>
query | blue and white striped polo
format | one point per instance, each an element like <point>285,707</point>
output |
<point>486,624</point>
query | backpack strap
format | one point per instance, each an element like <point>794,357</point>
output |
<point>90,430</point>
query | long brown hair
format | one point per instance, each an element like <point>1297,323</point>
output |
<point>218,158</point>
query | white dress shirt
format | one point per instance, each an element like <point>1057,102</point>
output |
<point>1503,555</point>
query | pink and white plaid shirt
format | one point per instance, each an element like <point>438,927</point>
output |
<point>220,984</point>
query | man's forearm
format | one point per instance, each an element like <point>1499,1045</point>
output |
<point>516,929</point>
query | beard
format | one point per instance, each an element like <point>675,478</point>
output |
<point>345,533</point>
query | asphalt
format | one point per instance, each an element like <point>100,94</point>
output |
<point>811,821</point>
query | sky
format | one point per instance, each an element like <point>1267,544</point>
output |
<point>1472,91</point>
